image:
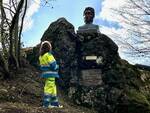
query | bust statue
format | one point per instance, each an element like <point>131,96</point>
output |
<point>89,15</point>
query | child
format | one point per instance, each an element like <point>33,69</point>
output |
<point>49,72</point>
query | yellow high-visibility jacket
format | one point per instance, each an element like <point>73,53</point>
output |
<point>48,66</point>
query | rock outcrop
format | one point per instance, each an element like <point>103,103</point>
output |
<point>94,75</point>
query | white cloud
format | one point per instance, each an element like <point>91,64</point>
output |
<point>33,7</point>
<point>28,23</point>
<point>107,7</point>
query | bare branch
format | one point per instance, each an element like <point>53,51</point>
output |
<point>140,7</point>
<point>136,16</point>
<point>14,5</point>
<point>9,9</point>
<point>4,15</point>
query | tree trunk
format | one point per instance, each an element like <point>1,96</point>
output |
<point>16,38</point>
<point>4,67</point>
<point>19,41</point>
<point>3,63</point>
<point>13,61</point>
<point>15,45</point>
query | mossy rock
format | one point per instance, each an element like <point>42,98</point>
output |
<point>134,102</point>
<point>138,97</point>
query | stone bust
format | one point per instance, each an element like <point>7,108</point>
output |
<point>89,15</point>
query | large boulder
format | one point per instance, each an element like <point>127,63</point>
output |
<point>63,48</point>
<point>93,74</point>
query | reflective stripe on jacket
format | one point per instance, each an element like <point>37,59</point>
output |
<point>48,65</point>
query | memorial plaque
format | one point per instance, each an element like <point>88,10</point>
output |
<point>91,77</point>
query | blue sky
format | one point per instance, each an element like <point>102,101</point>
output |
<point>72,10</point>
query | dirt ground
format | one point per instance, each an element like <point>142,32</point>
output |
<point>23,94</point>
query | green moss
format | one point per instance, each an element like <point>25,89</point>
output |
<point>138,97</point>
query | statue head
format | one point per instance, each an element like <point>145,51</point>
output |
<point>89,14</point>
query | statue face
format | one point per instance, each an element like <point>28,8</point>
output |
<point>88,17</point>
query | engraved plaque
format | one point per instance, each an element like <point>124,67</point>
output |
<point>91,77</point>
